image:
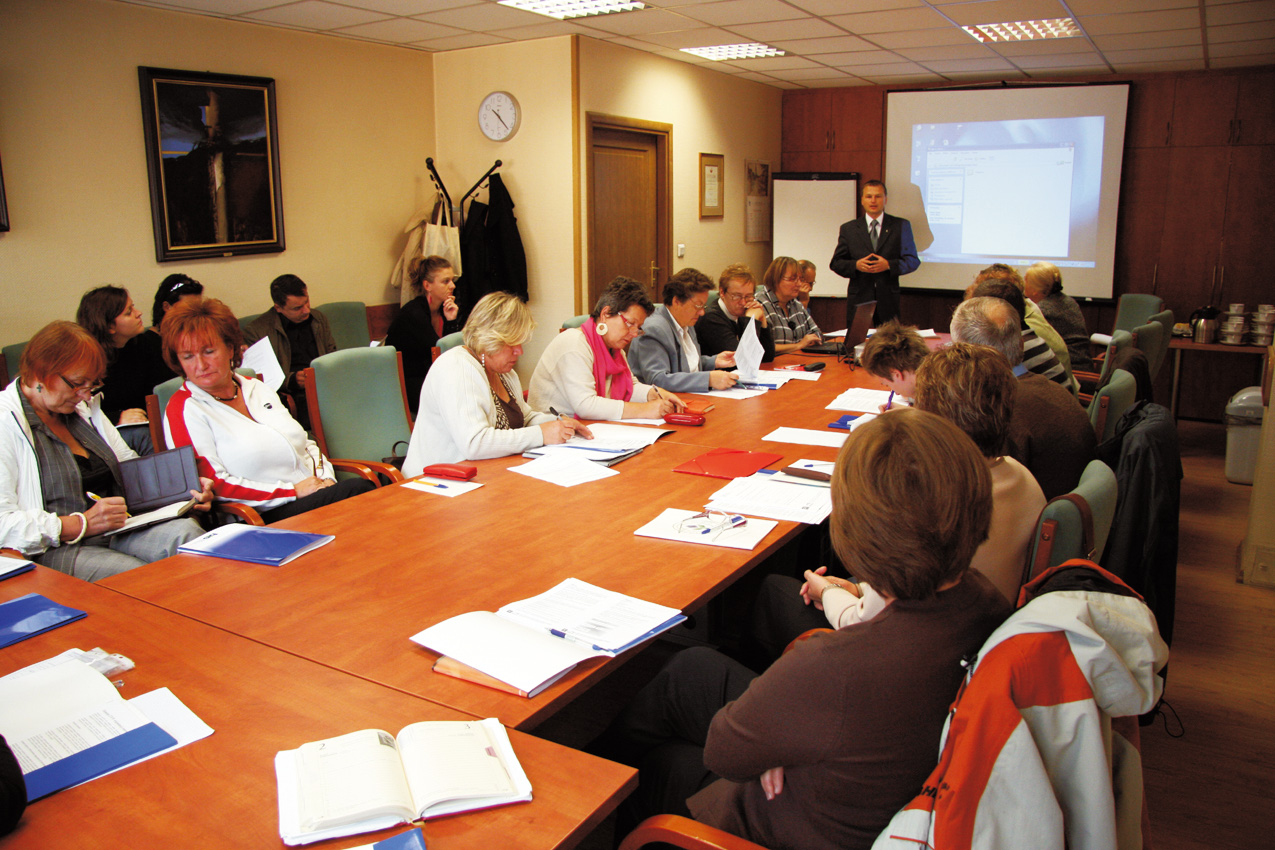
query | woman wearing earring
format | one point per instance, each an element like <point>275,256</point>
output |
<point>584,372</point>
<point>57,448</point>
<point>247,441</point>
<point>134,360</point>
<point>471,402</point>
<point>424,320</point>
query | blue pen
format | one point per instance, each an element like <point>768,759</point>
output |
<point>751,386</point>
<point>432,484</point>
<point>889,401</point>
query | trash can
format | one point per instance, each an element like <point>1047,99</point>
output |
<point>1243,434</point>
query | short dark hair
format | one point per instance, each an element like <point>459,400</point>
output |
<point>98,311</point>
<point>867,183</point>
<point>684,284</point>
<point>1001,271</point>
<point>911,502</point>
<point>972,386</point>
<point>893,347</point>
<point>285,285</point>
<point>1007,292</point>
<point>422,269</point>
<point>171,289</point>
<point>621,294</point>
<point>208,321</point>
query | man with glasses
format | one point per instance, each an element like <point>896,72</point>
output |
<point>726,320</point>
<point>668,353</point>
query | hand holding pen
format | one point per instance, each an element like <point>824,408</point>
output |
<point>563,429</point>
<point>106,514</point>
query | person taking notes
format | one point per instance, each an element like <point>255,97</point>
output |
<point>668,353</point>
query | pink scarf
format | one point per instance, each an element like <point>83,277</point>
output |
<point>608,362</point>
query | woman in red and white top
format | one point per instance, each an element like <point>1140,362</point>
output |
<point>247,441</point>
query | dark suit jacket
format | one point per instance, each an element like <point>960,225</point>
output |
<point>895,244</point>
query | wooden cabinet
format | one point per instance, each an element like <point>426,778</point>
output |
<point>1246,239</point>
<point>1194,216</point>
<point>834,130</point>
<point>1204,110</point>
<point>806,121</point>
<point>1150,121</point>
<point>1255,109</point>
<point>1144,190</point>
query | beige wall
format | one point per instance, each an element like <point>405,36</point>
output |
<point>356,122</point>
<point>537,163</point>
<point>710,112</point>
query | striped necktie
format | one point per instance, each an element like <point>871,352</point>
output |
<point>873,232</point>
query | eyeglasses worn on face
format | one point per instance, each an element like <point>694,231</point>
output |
<point>77,386</point>
<point>631,327</point>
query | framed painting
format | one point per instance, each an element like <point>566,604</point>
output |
<point>212,156</point>
<point>712,173</point>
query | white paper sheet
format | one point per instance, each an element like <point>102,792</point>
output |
<point>733,392</point>
<point>761,495</point>
<point>748,353</point>
<point>664,527</point>
<point>860,400</point>
<point>260,358</point>
<point>807,437</point>
<point>448,487</point>
<point>564,471</point>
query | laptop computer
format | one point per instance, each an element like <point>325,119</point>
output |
<point>856,333</point>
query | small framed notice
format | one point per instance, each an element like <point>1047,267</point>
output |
<point>711,175</point>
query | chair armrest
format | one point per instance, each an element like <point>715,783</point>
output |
<point>685,833</point>
<point>360,468</point>
<point>385,469</point>
<point>248,514</point>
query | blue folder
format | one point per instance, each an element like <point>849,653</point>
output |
<point>96,760</point>
<point>31,615</point>
<point>270,546</point>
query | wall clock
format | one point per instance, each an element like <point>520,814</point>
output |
<point>499,116</point>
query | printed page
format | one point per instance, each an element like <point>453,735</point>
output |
<point>807,437</point>
<point>451,760</point>
<point>620,437</point>
<point>761,495</point>
<point>351,778</point>
<point>860,400</point>
<point>749,353</point>
<point>260,358</point>
<point>42,698</point>
<point>564,470</point>
<point>665,527</point>
<point>590,615</point>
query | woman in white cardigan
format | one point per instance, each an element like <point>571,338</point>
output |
<point>471,404</point>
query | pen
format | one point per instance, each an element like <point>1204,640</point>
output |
<point>677,404</point>
<point>748,385</point>
<point>98,498</point>
<point>889,401</point>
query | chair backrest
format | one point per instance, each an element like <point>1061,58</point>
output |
<point>713,297</point>
<point>573,322</point>
<point>1120,340</point>
<point>451,341</point>
<point>1135,308</point>
<point>12,357</point>
<point>348,320</point>
<point>1110,402</point>
<point>1075,524</point>
<point>358,403</point>
<point>1156,358</point>
<point>1151,341</point>
<point>164,391</point>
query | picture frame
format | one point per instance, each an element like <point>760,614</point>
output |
<point>712,180</point>
<point>212,160</point>
<point>4,205</point>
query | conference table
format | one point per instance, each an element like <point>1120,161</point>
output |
<point>403,560</point>
<point>220,791</point>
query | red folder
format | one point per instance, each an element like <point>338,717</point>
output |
<point>728,463</point>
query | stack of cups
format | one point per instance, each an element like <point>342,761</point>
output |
<point>1263,325</point>
<point>1234,324</point>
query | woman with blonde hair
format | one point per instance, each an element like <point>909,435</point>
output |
<point>471,401</point>
<point>1043,284</point>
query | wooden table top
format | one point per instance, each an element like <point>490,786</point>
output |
<point>220,791</point>
<point>404,560</point>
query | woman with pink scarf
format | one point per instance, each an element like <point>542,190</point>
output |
<point>584,372</point>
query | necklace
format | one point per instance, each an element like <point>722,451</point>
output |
<point>234,396</point>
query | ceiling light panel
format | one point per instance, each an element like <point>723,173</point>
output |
<point>564,9</point>
<point>721,52</point>
<point>1024,30</point>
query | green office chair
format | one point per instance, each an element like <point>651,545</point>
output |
<point>713,298</point>
<point>348,320</point>
<point>358,406</point>
<point>1155,344</point>
<point>1075,524</point>
<point>1136,308</point>
<point>12,357</point>
<point>1089,381</point>
<point>573,322</point>
<point>451,341</point>
<point>157,403</point>
<point>245,321</point>
<point>1110,403</point>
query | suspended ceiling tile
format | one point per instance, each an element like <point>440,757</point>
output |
<point>1156,54</point>
<point>460,42</point>
<point>484,18</point>
<point>908,80</point>
<point>731,12</point>
<point>1243,48</point>
<point>867,23</point>
<point>773,63</point>
<point>835,7</point>
<point>1240,13</point>
<point>922,38</point>
<point>408,8</point>
<point>820,46</point>
<point>546,30</point>
<point>883,69</point>
<point>637,23</point>
<point>995,65</point>
<point>1143,40</point>
<point>859,57</point>
<point>1155,67</point>
<point>402,31</point>
<point>1267,58</point>
<point>1176,19</point>
<point>947,51</point>
<point>220,8</point>
<point>1059,60</point>
<point>705,37</point>
<point>316,15</point>
<point>782,30</point>
<point>1106,7</point>
<point>1242,32</point>
<point>802,75</point>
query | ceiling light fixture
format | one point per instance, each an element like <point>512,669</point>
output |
<point>720,52</point>
<point>1024,30</point>
<point>563,9</point>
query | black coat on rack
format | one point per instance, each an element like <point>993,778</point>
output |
<point>491,248</point>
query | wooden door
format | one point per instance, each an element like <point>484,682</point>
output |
<point>628,207</point>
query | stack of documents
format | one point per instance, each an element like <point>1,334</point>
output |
<point>860,400</point>
<point>610,444</point>
<point>763,495</point>
<point>675,524</point>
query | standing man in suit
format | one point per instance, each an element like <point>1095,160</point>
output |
<point>873,251</point>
